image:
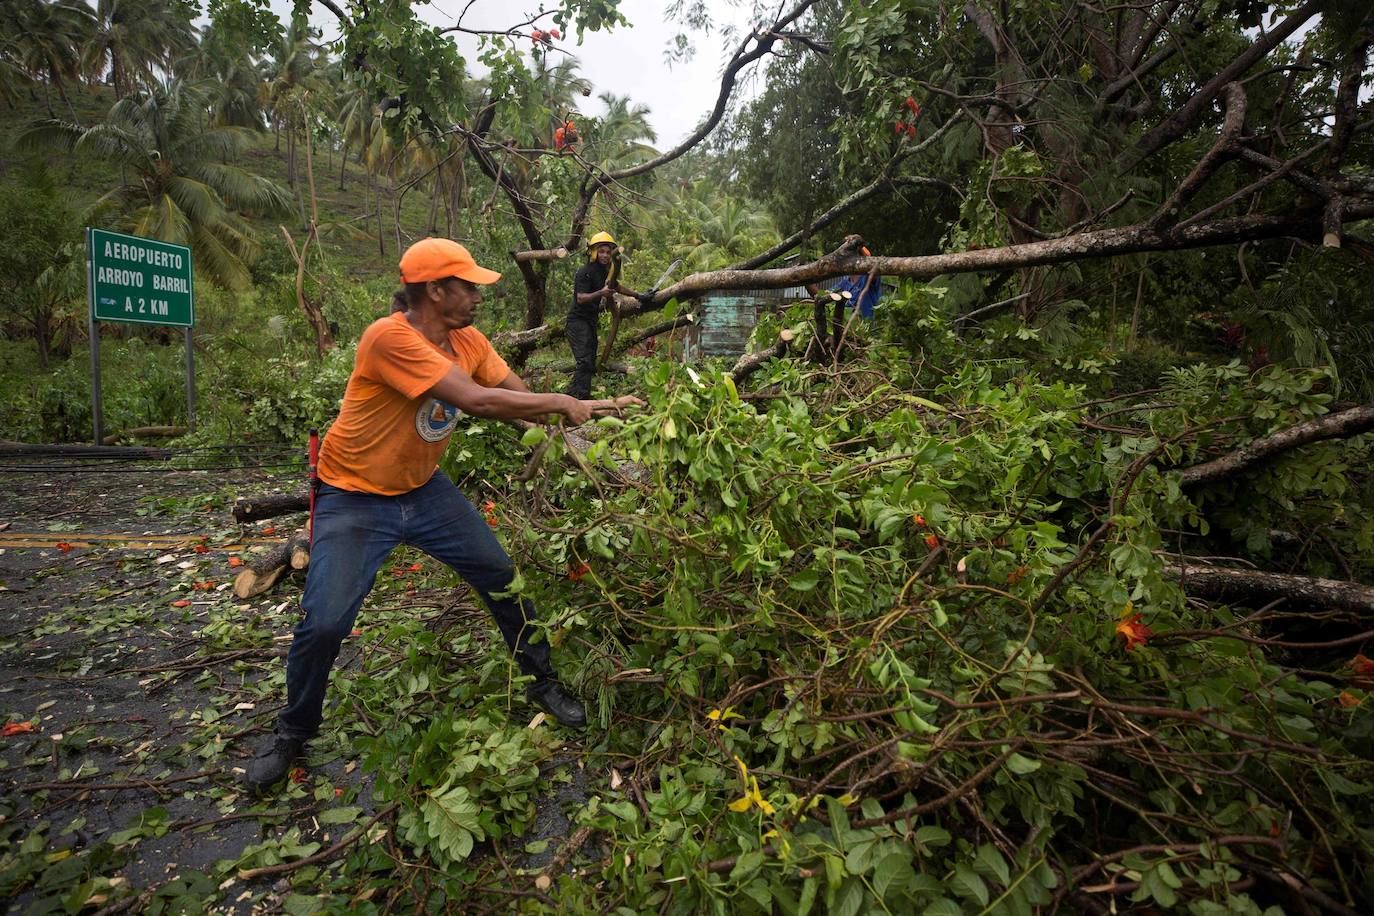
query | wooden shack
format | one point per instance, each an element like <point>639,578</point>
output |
<point>726,318</point>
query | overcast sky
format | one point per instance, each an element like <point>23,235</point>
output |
<point>627,61</point>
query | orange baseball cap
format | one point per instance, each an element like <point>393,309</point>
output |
<point>435,259</point>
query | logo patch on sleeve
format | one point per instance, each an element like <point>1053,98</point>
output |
<point>434,419</point>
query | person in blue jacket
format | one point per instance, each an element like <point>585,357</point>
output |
<point>863,294</point>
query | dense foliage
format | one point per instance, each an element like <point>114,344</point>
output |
<point>901,626</point>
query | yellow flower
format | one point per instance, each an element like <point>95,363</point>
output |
<point>720,715</point>
<point>752,796</point>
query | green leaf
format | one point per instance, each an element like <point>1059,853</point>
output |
<point>931,836</point>
<point>804,581</point>
<point>990,862</point>
<point>533,436</point>
<point>966,883</point>
<point>345,815</point>
<point>894,867</point>
<point>808,895</point>
<point>451,817</point>
<point>746,865</point>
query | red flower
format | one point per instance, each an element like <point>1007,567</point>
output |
<point>415,567</point>
<point>338,792</point>
<point>235,561</point>
<point>576,573</point>
<point>919,519</point>
<point>16,728</point>
<point>897,128</point>
<point>1133,631</point>
<point>181,602</point>
<point>1017,574</point>
<point>63,546</point>
<point>201,548</point>
<point>1363,669</point>
<point>269,530</point>
<point>911,130</point>
<point>555,33</point>
<point>298,775</point>
<point>1348,699</point>
<point>932,541</point>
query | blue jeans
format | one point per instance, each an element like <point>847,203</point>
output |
<point>354,533</point>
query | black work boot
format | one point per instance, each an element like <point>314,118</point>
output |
<point>550,696</point>
<point>272,763</point>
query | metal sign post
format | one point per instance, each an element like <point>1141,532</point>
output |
<point>138,281</point>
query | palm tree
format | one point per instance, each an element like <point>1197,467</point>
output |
<point>43,40</point>
<point>618,139</point>
<point>182,187</point>
<point>234,76</point>
<point>722,230</point>
<point>134,39</point>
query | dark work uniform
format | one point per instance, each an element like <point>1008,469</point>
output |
<point>582,328</point>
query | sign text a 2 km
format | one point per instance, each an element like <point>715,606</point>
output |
<point>139,280</point>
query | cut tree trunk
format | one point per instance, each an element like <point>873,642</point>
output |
<point>750,363</point>
<point>263,572</point>
<point>1222,584</point>
<point>257,508</point>
<point>542,254</point>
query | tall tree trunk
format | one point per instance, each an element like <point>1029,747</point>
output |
<point>42,334</point>
<point>434,201</point>
<point>343,165</point>
<point>290,154</point>
<point>377,211</point>
<point>395,209</point>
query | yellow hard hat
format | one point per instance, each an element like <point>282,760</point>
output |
<point>601,238</point>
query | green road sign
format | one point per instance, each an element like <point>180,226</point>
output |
<point>139,280</point>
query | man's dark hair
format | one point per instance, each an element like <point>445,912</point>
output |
<point>409,294</point>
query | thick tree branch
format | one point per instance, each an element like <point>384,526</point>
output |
<point>1192,110</point>
<point>1222,584</point>
<point>1340,425</point>
<point>1098,244</point>
<point>1221,151</point>
<point>542,254</point>
<point>1347,95</point>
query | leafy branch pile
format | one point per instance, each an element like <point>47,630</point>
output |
<point>882,651</point>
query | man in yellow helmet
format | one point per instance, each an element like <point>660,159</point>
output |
<point>596,282</point>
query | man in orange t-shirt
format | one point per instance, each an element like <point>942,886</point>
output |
<point>415,373</point>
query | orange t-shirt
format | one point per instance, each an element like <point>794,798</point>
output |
<point>388,438</point>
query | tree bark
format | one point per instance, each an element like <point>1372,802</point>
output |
<point>1341,425</point>
<point>1222,584</point>
<point>260,507</point>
